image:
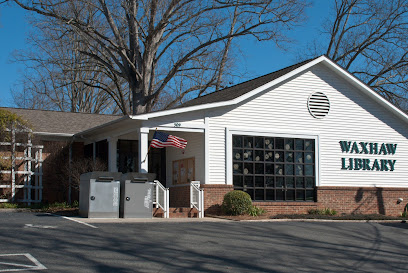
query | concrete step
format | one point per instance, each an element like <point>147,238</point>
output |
<point>179,212</point>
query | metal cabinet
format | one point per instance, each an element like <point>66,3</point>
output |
<point>137,195</point>
<point>99,195</point>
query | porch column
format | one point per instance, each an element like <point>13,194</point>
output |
<point>112,154</point>
<point>143,149</point>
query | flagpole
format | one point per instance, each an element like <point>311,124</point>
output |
<point>148,150</point>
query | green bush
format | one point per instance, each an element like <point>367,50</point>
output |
<point>325,211</point>
<point>255,211</point>
<point>236,203</point>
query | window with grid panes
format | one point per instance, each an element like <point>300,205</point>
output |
<point>274,168</point>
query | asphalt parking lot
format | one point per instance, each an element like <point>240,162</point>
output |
<point>33,242</point>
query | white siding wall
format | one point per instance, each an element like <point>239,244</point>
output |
<point>353,117</point>
<point>195,148</point>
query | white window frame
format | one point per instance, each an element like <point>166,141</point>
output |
<point>259,132</point>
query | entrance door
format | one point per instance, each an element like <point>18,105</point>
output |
<point>157,164</point>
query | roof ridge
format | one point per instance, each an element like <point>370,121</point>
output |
<point>254,79</point>
<point>56,111</point>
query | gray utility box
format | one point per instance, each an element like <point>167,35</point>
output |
<point>136,195</point>
<point>99,195</point>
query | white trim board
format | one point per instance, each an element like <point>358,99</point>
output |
<point>228,147</point>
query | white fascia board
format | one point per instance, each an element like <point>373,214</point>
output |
<point>278,80</point>
<point>362,86</point>
<point>53,134</point>
<point>101,126</point>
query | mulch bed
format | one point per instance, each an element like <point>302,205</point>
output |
<point>362,217</point>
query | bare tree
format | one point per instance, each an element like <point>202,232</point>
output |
<point>57,76</point>
<point>175,48</point>
<point>370,40</point>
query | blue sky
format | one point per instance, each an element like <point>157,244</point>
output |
<point>260,58</point>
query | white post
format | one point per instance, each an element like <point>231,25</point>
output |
<point>29,175</point>
<point>143,150</point>
<point>112,154</point>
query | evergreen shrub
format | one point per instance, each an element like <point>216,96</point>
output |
<point>236,203</point>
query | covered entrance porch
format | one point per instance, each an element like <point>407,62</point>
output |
<point>124,146</point>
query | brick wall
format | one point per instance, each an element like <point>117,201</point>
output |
<point>363,200</point>
<point>347,200</point>
<point>213,196</point>
<point>179,196</point>
<point>56,158</point>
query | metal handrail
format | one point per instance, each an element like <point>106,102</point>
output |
<point>197,198</point>
<point>163,203</point>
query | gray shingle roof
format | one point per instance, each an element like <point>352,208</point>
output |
<point>55,122</point>
<point>238,90</point>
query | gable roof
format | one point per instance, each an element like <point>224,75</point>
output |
<point>46,122</point>
<point>240,89</point>
<point>238,93</point>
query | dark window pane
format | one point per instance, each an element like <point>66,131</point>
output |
<point>249,181</point>
<point>279,143</point>
<point>280,182</point>
<point>299,157</point>
<point>309,145</point>
<point>288,144</point>
<point>259,155</point>
<point>259,181</point>
<point>299,144</point>
<point>238,181</point>
<point>269,181</point>
<point>299,170</point>
<point>270,195</point>
<point>309,158</point>
<point>300,195</point>
<point>300,183</point>
<point>280,195</point>
<point>259,168</point>
<point>289,157</point>
<point>237,154</point>
<point>309,182</point>
<point>250,192</point>
<point>290,182</point>
<point>248,155</point>
<point>248,168</point>
<point>237,141</point>
<point>259,142</point>
<point>310,195</point>
<point>237,168</point>
<point>248,142</point>
<point>279,169</point>
<point>271,168</point>
<point>259,194</point>
<point>268,168</point>
<point>269,143</point>
<point>290,195</point>
<point>269,156</point>
<point>289,169</point>
<point>309,170</point>
<point>279,157</point>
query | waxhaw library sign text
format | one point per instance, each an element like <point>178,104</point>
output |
<point>368,148</point>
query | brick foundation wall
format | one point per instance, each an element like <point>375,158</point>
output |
<point>363,200</point>
<point>213,196</point>
<point>349,200</point>
<point>179,196</point>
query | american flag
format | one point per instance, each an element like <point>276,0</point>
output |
<point>161,140</point>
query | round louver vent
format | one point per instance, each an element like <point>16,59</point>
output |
<point>318,104</point>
